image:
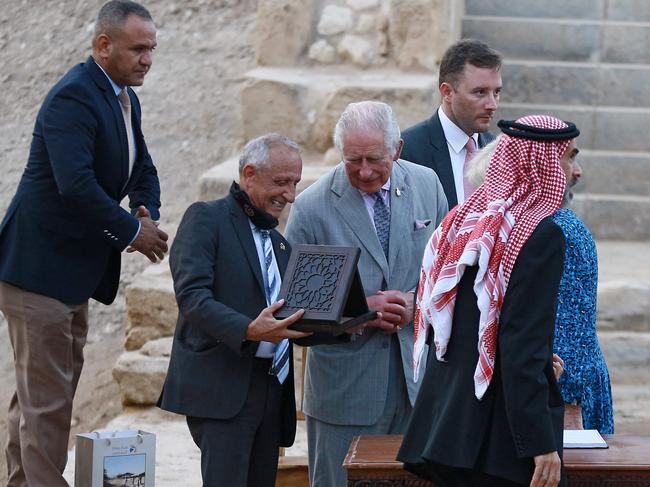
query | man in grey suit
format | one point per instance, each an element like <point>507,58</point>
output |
<point>388,208</point>
<point>470,85</point>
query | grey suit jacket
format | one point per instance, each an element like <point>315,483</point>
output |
<point>347,384</point>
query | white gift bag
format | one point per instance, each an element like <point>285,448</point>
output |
<point>115,459</point>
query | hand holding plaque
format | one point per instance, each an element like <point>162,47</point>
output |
<point>324,281</point>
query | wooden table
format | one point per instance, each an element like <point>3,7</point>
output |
<point>626,463</point>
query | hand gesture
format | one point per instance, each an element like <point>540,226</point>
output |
<point>394,309</point>
<point>151,241</point>
<point>266,328</point>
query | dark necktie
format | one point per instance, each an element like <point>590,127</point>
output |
<point>382,222</point>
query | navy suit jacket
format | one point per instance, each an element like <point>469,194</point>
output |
<point>425,144</point>
<point>64,230</point>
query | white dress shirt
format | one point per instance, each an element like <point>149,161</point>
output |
<point>456,140</point>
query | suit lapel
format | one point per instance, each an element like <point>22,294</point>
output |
<point>441,159</point>
<point>281,250</point>
<point>401,212</point>
<point>245,236</point>
<point>353,211</point>
<point>109,95</point>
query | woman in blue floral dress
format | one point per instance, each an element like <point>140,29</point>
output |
<point>585,380</point>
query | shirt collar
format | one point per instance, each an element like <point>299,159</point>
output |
<point>455,137</point>
<point>116,88</point>
<point>385,187</point>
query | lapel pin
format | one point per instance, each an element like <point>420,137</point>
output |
<point>398,193</point>
<point>282,247</point>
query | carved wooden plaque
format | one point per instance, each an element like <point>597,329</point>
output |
<point>324,281</point>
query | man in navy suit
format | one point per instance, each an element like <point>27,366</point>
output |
<point>470,85</point>
<point>61,238</point>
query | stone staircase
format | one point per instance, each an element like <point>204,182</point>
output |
<point>585,61</point>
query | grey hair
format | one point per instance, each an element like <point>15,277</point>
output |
<point>368,115</point>
<point>479,164</point>
<point>113,15</point>
<point>256,152</point>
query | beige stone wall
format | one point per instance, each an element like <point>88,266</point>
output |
<point>365,34</point>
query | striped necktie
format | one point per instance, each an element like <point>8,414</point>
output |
<point>280,366</point>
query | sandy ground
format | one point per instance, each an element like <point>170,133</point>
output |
<point>191,118</point>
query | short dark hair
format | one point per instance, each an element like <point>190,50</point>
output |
<point>472,51</point>
<point>114,13</point>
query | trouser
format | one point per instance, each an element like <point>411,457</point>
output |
<point>328,443</point>
<point>243,451</point>
<point>47,337</point>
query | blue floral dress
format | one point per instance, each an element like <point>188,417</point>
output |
<point>585,380</point>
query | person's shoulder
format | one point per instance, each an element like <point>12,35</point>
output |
<point>547,233</point>
<point>417,129</point>
<point>417,172</point>
<point>320,187</point>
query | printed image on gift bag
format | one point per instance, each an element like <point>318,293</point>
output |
<point>125,470</point>
<point>115,459</point>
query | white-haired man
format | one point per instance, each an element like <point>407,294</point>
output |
<point>388,208</point>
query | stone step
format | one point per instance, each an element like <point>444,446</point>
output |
<point>566,39</point>
<point>601,128</point>
<point>627,356</point>
<point>574,83</point>
<point>615,10</point>
<point>305,103</point>
<point>612,172</point>
<point>614,216</point>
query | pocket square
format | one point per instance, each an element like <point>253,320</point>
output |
<point>420,224</point>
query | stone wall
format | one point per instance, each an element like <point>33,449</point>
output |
<point>409,34</point>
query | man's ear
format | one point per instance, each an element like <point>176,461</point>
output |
<point>247,173</point>
<point>446,90</point>
<point>398,152</point>
<point>103,45</point>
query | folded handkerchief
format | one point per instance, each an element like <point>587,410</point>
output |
<point>420,224</point>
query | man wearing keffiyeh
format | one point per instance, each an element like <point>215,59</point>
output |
<point>489,410</point>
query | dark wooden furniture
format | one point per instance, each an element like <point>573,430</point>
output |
<point>626,463</point>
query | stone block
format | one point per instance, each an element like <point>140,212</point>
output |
<point>151,306</point>
<point>575,9</point>
<point>335,20</point>
<point>624,86</point>
<point>630,10</point>
<point>367,23</point>
<point>362,4</point>
<point>358,50</point>
<point>625,305</point>
<point>613,172</point>
<point>552,84</point>
<point>419,32</point>
<point>614,216</point>
<point>141,374</point>
<point>532,39</point>
<point>283,30</point>
<point>305,104</point>
<point>626,43</point>
<point>321,52</point>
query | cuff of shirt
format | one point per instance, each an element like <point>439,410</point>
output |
<point>136,233</point>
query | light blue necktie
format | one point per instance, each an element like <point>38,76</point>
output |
<point>280,366</point>
<point>382,221</point>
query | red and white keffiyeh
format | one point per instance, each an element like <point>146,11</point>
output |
<point>524,183</point>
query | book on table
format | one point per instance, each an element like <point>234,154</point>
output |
<point>583,439</point>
